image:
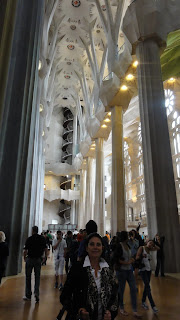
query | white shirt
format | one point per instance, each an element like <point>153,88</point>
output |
<point>146,261</point>
<point>59,251</point>
<point>102,264</point>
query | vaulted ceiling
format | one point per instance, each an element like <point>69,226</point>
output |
<point>81,44</point>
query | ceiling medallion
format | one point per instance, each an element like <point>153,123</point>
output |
<point>70,47</point>
<point>76,3</point>
<point>103,7</point>
<point>73,27</point>
<point>67,77</point>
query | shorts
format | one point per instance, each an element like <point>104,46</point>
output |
<point>59,266</point>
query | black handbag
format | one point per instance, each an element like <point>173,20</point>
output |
<point>138,264</point>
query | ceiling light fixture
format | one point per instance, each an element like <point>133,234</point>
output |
<point>171,80</point>
<point>42,133</point>
<point>109,113</point>
<point>135,63</point>
<point>124,88</point>
<point>130,77</point>
<point>107,120</point>
<point>104,126</point>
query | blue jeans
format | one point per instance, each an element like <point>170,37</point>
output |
<point>123,276</point>
<point>30,264</point>
<point>146,276</point>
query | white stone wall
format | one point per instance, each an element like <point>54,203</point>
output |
<point>54,139</point>
<point>50,213</point>
<point>51,182</point>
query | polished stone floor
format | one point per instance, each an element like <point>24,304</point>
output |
<point>166,293</point>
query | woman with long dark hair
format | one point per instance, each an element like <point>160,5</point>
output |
<point>145,272</point>
<point>90,291</point>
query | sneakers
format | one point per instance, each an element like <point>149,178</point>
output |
<point>56,285</point>
<point>36,299</point>
<point>61,286</point>
<point>26,298</point>
<point>155,310</point>
<point>145,306</point>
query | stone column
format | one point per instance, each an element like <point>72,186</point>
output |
<point>40,194</point>
<point>118,217</point>
<point>18,96</point>
<point>89,190</point>
<point>37,140</point>
<point>40,184</point>
<point>158,170</point>
<point>99,204</point>
<point>117,99</point>
<point>81,212</point>
<point>73,213</point>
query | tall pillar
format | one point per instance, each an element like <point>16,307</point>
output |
<point>73,208</point>
<point>161,200</point>
<point>99,204</point>
<point>162,213</point>
<point>37,142</point>
<point>40,186</point>
<point>118,178</point>
<point>73,212</point>
<point>18,96</point>
<point>89,190</point>
<point>81,212</point>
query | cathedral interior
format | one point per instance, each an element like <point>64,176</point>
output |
<point>89,129</point>
<point>90,119</point>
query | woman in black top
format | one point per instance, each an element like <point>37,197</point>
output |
<point>91,288</point>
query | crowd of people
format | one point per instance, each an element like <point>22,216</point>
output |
<point>97,269</point>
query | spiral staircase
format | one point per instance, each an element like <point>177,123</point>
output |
<point>67,155</point>
<point>67,147</point>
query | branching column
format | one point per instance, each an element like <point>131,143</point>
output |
<point>99,205</point>
<point>89,190</point>
<point>81,212</point>
<point>18,95</point>
<point>118,178</point>
<point>73,203</point>
<point>158,169</point>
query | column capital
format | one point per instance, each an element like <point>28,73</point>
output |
<point>146,19</point>
<point>121,99</point>
<point>114,93</point>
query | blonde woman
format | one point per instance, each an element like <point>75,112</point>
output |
<point>4,252</point>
